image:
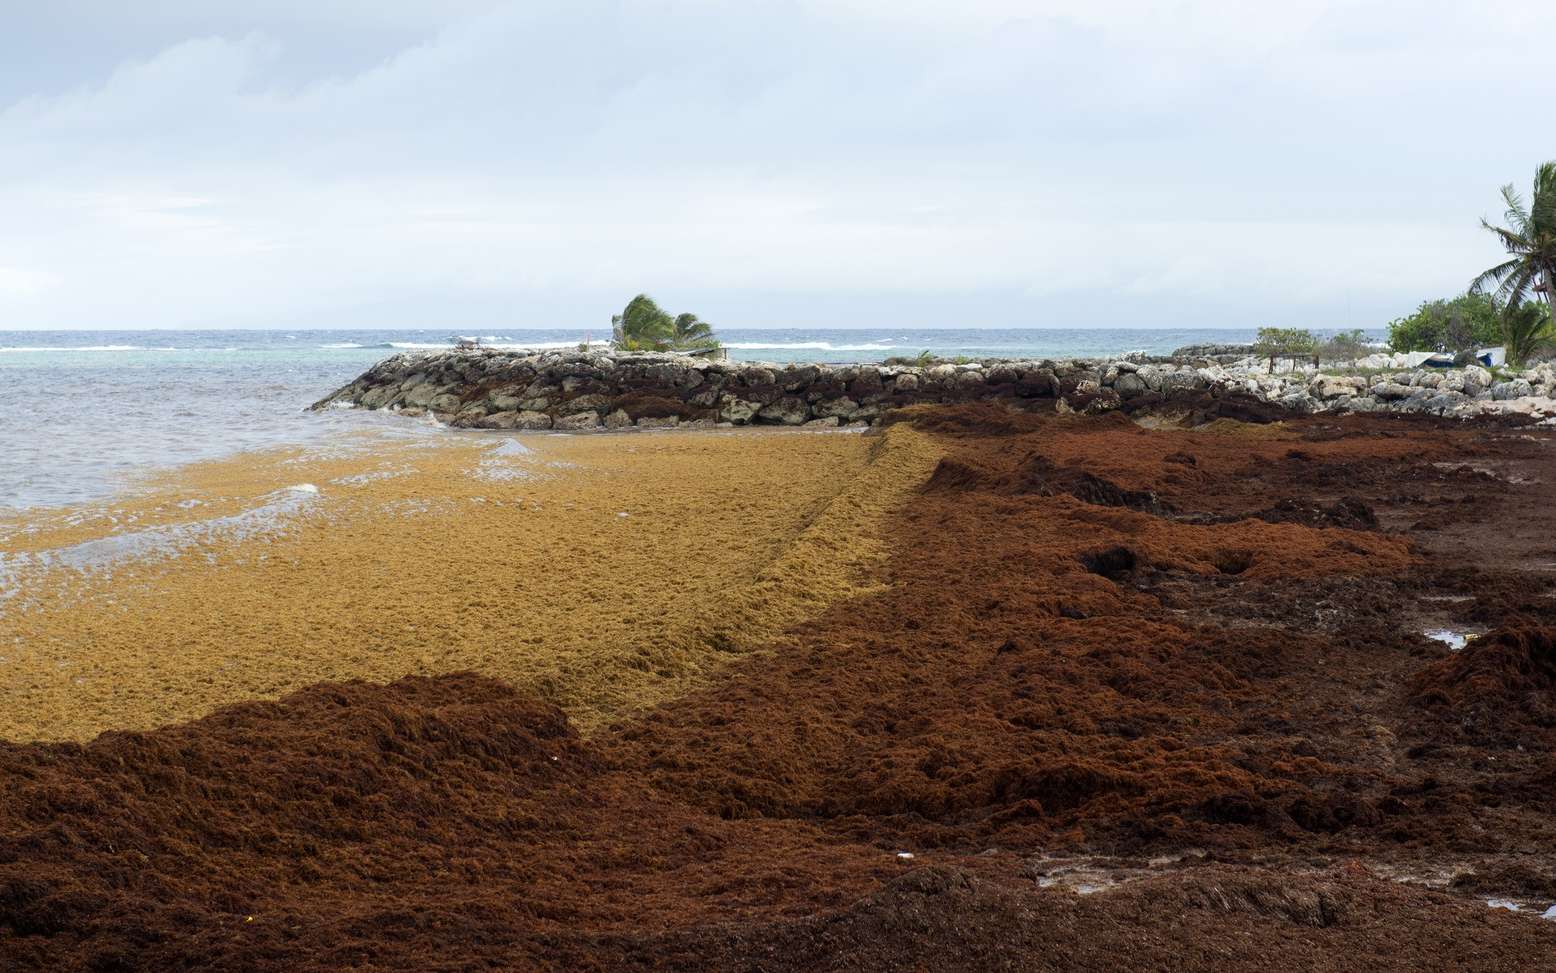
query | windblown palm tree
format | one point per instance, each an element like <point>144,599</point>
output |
<point>691,331</point>
<point>1526,331</point>
<point>1530,239</point>
<point>644,325</point>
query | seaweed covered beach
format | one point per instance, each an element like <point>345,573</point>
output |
<point>1214,687</point>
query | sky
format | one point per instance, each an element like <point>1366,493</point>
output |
<point>854,163</point>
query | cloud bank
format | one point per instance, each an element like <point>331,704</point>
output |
<point>798,163</point>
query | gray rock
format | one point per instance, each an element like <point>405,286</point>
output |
<point>505,403</point>
<point>421,396</point>
<point>1515,389</point>
<point>738,411</point>
<point>1181,381</point>
<point>1445,402</point>
<point>906,382</point>
<point>1002,374</point>
<point>661,422</point>
<point>446,402</point>
<point>824,421</point>
<point>498,420</point>
<point>1129,384</point>
<point>1390,391</point>
<point>530,419</point>
<point>578,420</point>
<point>835,407</point>
<point>618,420</point>
<point>593,401</point>
<point>789,410</point>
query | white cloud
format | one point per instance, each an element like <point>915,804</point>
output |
<point>1218,160</point>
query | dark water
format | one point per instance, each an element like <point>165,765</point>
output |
<point>84,408</point>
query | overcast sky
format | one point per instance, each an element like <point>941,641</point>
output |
<point>880,163</point>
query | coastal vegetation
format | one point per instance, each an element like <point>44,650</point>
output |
<point>1293,343</point>
<point>1508,304</point>
<point>1527,332</point>
<point>1530,241</point>
<point>1469,321</point>
<point>644,326</point>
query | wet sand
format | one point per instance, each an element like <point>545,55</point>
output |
<point>993,690</point>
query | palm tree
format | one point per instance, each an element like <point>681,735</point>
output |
<point>691,332</point>
<point>1530,237</point>
<point>1526,330</point>
<point>644,326</point>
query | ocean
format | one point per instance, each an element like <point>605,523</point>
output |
<point>87,411</point>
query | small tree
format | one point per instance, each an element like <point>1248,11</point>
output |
<point>1526,331</point>
<point>1290,343</point>
<point>1346,346</point>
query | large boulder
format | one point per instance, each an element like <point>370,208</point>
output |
<point>1129,384</point>
<point>498,420</point>
<point>421,396</point>
<point>530,419</point>
<point>1182,381</point>
<point>790,410</point>
<point>835,407</point>
<point>593,401</point>
<point>738,411</point>
<point>1515,389</point>
<point>578,420</point>
<point>618,420</point>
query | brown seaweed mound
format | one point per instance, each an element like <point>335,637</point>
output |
<point>1506,678</point>
<point>363,826</point>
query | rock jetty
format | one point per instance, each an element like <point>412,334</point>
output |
<point>573,390</point>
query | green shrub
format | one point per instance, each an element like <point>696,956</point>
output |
<point>1464,323</point>
<point>1346,345</point>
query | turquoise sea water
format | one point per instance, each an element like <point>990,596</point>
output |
<point>83,409</point>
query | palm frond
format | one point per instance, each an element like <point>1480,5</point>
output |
<point>1542,210</point>
<point>1494,275</point>
<point>1515,214</point>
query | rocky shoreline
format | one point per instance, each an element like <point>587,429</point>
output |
<point>488,389</point>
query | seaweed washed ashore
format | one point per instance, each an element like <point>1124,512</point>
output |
<point>983,689</point>
<point>583,390</point>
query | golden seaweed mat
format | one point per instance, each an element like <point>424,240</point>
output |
<point>608,572</point>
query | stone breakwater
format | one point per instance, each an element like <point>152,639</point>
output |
<point>487,389</point>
